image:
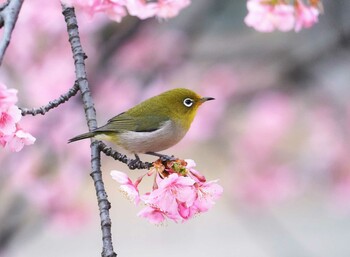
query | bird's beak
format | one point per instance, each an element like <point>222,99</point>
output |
<point>204,99</point>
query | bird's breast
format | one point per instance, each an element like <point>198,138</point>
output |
<point>141,142</point>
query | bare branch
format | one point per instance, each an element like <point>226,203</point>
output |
<point>8,18</point>
<point>132,163</point>
<point>90,113</point>
<point>3,5</point>
<point>52,104</point>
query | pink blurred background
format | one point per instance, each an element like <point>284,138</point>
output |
<point>276,136</point>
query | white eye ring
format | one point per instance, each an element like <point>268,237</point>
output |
<point>188,102</point>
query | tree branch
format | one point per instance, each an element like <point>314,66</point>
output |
<point>132,163</point>
<point>52,104</point>
<point>4,4</point>
<point>8,17</point>
<point>90,113</point>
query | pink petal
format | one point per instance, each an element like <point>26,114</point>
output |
<point>20,139</point>
<point>120,177</point>
<point>190,163</point>
<point>207,193</point>
<point>175,179</point>
<point>306,16</point>
<point>8,97</point>
<point>186,195</point>
<point>186,212</point>
<point>153,215</point>
<point>131,193</point>
<point>197,176</point>
<point>8,120</point>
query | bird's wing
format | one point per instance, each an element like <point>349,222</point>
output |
<point>126,122</point>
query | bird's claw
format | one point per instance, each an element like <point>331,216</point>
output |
<point>134,163</point>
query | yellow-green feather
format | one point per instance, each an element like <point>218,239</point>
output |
<point>149,116</point>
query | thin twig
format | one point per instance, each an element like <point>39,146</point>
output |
<point>90,113</point>
<point>52,104</point>
<point>132,163</point>
<point>8,18</point>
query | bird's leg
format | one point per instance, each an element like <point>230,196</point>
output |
<point>163,157</point>
<point>133,163</point>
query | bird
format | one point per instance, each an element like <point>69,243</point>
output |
<point>153,125</point>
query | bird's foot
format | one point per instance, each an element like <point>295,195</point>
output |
<point>163,157</point>
<point>134,163</point>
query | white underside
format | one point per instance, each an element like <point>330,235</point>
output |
<point>141,142</point>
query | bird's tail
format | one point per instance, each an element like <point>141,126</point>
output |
<point>82,136</point>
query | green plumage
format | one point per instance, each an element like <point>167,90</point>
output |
<point>150,116</point>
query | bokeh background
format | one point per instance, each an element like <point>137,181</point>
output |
<point>276,136</point>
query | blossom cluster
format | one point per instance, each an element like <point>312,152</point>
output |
<point>143,9</point>
<point>270,15</point>
<point>179,191</point>
<point>12,136</point>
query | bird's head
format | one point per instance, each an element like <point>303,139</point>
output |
<point>182,104</point>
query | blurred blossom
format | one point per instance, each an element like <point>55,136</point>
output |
<point>263,179</point>
<point>19,139</point>
<point>267,186</point>
<point>36,35</point>
<point>340,194</point>
<point>269,118</point>
<point>8,97</point>
<point>326,151</point>
<point>118,9</point>
<point>305,16</point>
<point>170,8</point>
<point>265,17</point>
<point>323,133</point>
<point>123,94</point>
<point>141,8</point>
<point>71,217</point>
<point>138,55</point>
<point>113,9</point>
<point>56,196</point>
<point>270,15</point>
<point>179,192</point>
<point>220,82</point>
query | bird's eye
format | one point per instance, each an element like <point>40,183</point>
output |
<point>188,102</point>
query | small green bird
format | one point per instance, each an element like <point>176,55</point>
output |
<point>153,125</point>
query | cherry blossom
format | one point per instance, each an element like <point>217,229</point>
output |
<point>178,194</point>
<point>170,8</point>
<point>8,119</point>
<point>267,18</point>
<point>153,215</point>
<point>127,186</point>
<point>8,97</point>
<point>11,135</point>
<point>19,139</point>
<point>118,9</point>
<point>172,191</point>
<point>271,15</point>
<point>305,16</point>
<point>207,193</point>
